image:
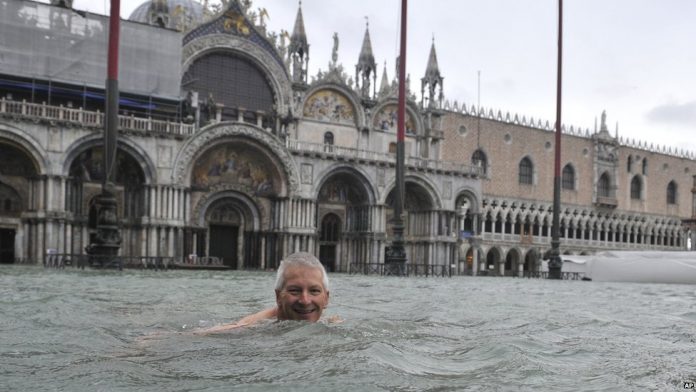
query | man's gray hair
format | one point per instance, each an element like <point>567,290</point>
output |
<point>300,259</point>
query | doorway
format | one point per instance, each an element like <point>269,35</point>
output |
<point>7,245</point>
<point>223,244</point>
<point>328,240</point>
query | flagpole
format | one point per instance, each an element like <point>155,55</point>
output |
<point>396,254</point>
<point>555,261</point>
<point>107,241</point>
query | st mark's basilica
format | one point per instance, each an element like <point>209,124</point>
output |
<point>228,148</point>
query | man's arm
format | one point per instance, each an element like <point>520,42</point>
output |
<point>248,320</point>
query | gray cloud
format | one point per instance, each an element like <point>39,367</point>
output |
<point>677,114</point>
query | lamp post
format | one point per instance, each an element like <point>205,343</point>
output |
<point>396,254</point>
<point>555,262</point>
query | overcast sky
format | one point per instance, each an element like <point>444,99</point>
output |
<point>635,59</point>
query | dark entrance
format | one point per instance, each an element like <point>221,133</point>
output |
<point>7,238</point>
<point>328,240</point>
<point>223,243</point>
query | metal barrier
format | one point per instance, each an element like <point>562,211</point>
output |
<point>382,269</point>
<point>545,275</point>
<point>62,260</point>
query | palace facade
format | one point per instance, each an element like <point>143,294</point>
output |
<point>227,148</point>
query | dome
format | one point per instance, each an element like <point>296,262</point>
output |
<point>183,14</point>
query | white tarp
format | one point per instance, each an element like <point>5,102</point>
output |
<point>61,45</point>
<point>638,266</point>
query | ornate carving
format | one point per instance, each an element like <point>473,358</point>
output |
<point>212,135</point>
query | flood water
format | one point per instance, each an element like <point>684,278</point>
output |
<point>70,330</point>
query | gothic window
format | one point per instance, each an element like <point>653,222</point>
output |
<point>526,171</point>
<point>479,159</point>
<point>629,165</point>
<point>604,186</point>
<point>329,138</point>
<point>645,166</point>
<point>568,180</point>
<point>636,188</point>
<point>672,193</point>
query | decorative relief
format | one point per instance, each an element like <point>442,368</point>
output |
<point>164,156</point>
<point>380,176</point>
<point>447,190</point>
<point>307,173</point>
<point>386,119</point>
<point>329,105</point>
<point>184,160</point>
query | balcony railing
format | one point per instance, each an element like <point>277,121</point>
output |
<point>91,119</point>
<point>354,154</point>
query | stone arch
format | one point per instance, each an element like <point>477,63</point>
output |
<point>211,136</point>
<point>124,143</point>
<point>493,259</point>
<point>513,258</point>
<point>532,261</point>
<point>275,74</point>
<point>252,211</point>
<point>25,142</point>
<point>232,223</point>
<point>311,108</point>
<point>382,119</point>
<point>342,169</point>
<point>420,182</point>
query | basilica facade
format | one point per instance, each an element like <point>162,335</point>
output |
<point>229,149</point>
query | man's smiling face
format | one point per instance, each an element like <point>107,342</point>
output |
<point>303,297</point>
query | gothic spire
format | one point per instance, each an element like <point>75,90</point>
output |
<point>298,39</point>
<point>432,79</point>
<point>298,50</point>
<point>384,86</point>
<point>366,67</point>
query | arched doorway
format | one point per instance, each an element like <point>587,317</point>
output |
<point>237,182</point>
<point>86,174</point>
<point>493,259</point>
<point>17,172</point>
<point>343,219</point>
<point>531,265</point>
<point>512,263</point>
<point>329,235</point>
<point>224,222</point>
<point>420,218</point>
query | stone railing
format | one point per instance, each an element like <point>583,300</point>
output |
<point>91,119</point>
<point>354,154</point>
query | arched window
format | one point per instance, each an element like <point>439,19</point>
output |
<point>604,186</point>
<point>636,188</point>
<point>526,175</point>
<point>568,180</point>
<point>672,193</point>
<point>645,166</point>
<point>479,159</point>
<point>629,165</point>
<point>329,138</point>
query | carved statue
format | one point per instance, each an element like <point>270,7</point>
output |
<point>334,52</point>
